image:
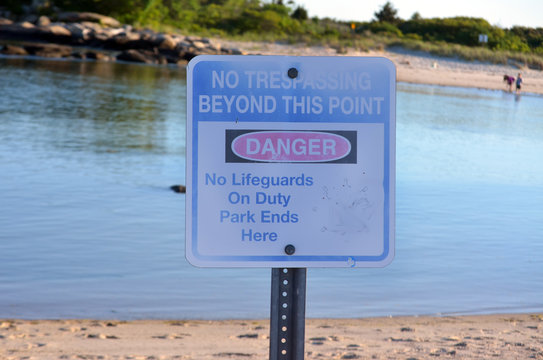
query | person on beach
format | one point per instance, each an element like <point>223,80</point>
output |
<point>519,82</point>
<point>509,80</point>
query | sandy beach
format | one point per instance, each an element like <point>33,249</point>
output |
<point>416,67</point>
<point>506,336</point>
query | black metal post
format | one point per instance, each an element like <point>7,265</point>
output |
<point>287,317</point>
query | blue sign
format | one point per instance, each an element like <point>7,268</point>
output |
<point>290,161</point>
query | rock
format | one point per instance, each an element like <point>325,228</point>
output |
<point>179,188</point>
<point>167,42</point>
<point>57,30</point>
<point>235,51</point>
<point>43,21</point>
<point>91,26</point>
<point>88,16</point>
<point>215,46</point>
<point>79,33</point>
<point>123,41</point>
<point>171,56</point>
<point>49,50</point>
<point>96,55</point>
<point>24,31</point>
<point>199,45</point>
<point>112,32</point>
<point>14,50</point>
<point>182,46</point>
<point>27,25</point>
<point>140,56</point>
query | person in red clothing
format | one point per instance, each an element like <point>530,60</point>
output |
<point>509,80</point>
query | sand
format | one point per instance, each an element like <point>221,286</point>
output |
<point>512,336</point>
<point>417,67</point>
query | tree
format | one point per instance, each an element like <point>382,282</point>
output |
<point>416,16</point>
<point>299,13</point>
<point>388,14</point>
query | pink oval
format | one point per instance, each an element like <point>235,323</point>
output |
<point>291,146</point>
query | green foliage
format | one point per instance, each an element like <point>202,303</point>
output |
<point>383,27</point>
<point>511,42</point>
<point>532,37</point>
<point>113,8</point>
<point>279,20</point>
<point>459,30</point>
<point>154,14</point>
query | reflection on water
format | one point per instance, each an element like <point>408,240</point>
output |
<point>81,106</point>
<point>89,228</point>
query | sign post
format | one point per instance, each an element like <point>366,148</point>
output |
<point>287,314</point>
<point>290,165</point>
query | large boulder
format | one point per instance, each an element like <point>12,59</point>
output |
<point>56,30</point>
<point>88,16</point>
<point>49,50</point>
<point>124,40</point>
<point>4,21</point>
<point>80,33</point>
<point>13,50</point>
<point>55,33</point>
<point>139,56</point>
<point>166,42</point>
<point>27,25</point>
<point>43,21</point>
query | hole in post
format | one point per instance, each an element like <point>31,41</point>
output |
<point>285,293</point>
<point>283,352</point>
<point>283,340</point>
<point>284,317</point>
<point>285,271</point>
<point>285,305</point>
<point>284,328</point>
<point>285,282</point>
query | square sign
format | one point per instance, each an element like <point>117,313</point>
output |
<point>290,161</point>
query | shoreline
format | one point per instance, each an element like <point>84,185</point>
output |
<point>505,336</point>
<point>101,38</point>
<point>415,67</point>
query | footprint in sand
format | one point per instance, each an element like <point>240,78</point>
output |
<point>170,336</point>
<point>100,336</point>
<point>317,340</point>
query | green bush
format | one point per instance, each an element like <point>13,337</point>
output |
<point>459,30</point>
<point>383,27</point>
<point>511,42</point>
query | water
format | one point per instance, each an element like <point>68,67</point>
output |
<point>89,228</point>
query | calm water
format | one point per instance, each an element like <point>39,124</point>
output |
<point>89,227</point>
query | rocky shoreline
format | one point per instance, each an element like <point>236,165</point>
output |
<point>93,36</point>
<point>97,37</point>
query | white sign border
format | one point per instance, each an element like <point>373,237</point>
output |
<point>290,260</point>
